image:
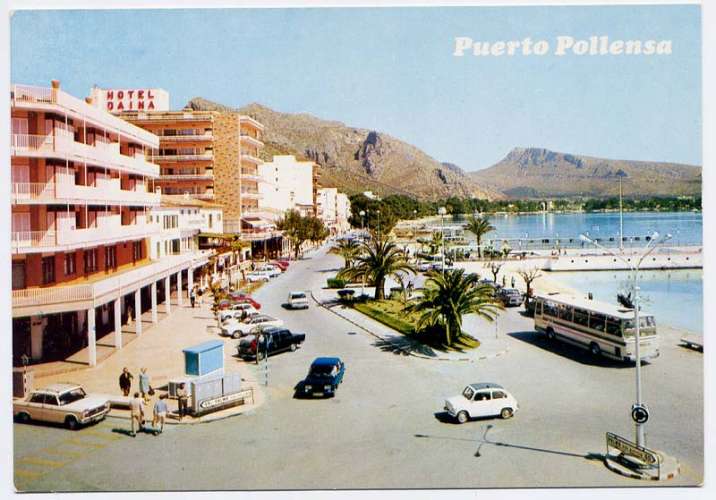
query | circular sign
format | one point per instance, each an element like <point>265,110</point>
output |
<point>640,414</point>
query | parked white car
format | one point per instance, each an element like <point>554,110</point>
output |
<point>481,400</point>
<point>424,266</point>
<point>269,269</point>
<point>254,276</point>
<point>66,404</point>
<point>297,300</point>
<point>236,311</point>
<point>234,328</point>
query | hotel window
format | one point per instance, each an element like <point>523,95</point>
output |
<point>110,257</point>
<point>48,270</point>
<point>70,263</point>
<point>90,260</point>
<point>137,250</point>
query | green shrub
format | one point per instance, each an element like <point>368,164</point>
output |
<point>336,283</point>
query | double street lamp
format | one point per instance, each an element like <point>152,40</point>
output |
<point>654,240</point>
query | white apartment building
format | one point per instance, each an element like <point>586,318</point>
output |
<point>286,184</point>
<point>180,220</point>
<point>334,210</point>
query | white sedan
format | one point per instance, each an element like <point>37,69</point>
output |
<point>236,311</point>
<point>481,400</point>
<point>269,269</point>
<point>257,276</point>
<point>234,328</point>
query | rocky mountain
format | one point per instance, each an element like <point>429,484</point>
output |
<point>354,159</point>
<point>536,172</point>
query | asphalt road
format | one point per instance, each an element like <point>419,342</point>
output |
<point>384,428</point>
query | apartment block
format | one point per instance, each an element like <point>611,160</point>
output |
<point>209,155</point>
<point>287,184</point>
<point>334,209</point>
<point>82,187</point>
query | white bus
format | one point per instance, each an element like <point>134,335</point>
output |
<point>605,329</point>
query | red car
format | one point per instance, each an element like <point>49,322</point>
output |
<point>281,264</point>
<point>242,297</point>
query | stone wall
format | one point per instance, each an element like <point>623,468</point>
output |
<point>227,165</point>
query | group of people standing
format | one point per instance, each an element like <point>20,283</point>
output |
<point>142,397</point>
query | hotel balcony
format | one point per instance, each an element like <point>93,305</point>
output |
<point>250,194</point>
<point>251,159</point>
<point>108,230</point>
<point>84,296</point>
<point>66,148</point>
<point>250,140</point>
<point>206,136</point>
<point>206,176</point>
<point>54,100</point>
<point>250,175</point>
<point>66,192</point>
<point>206,156</point>
<point>247,120</point>
<point>170,117</point>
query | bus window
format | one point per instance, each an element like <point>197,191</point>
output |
<point>564,312</point>
<point>614,327</point>
<point>596,321</point>
<point>549,309</point>
<point>581,317</point>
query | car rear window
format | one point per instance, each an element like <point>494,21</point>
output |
<point>298,295</point>
<point>71,396</point>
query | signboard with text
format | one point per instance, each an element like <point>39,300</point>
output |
<point>139,99</point>
<point>632,449</point>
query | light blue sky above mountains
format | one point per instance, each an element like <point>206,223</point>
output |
<point>392,70</point>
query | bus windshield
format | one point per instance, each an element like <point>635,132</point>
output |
<point>647,326</point>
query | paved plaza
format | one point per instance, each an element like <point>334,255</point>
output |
<point>385,427</point>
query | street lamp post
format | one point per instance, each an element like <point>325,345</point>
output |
<point>362,220</point>
<point>442,211</point>
<point>378,212</point>
<point>650,246</point>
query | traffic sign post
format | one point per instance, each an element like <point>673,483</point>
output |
<point>639,413</point>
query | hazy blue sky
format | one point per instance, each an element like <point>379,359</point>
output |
<point>392,70</point>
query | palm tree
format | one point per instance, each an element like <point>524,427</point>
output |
<point>435,242</point>
<point>379,258</point>
<point>479,226</point>
<point>349,249</point>
<point>448,296</point>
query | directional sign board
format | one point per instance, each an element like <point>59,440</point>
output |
<point>640,414</point>
<point>630,449</point>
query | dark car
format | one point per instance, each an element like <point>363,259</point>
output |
<point>323,378</point>
<point>273,340</point>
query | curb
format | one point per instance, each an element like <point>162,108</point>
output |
<point>402,349</point>
<point>623,471</point>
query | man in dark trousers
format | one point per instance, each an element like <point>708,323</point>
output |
<point>125,381</point>
<point>182,398</point>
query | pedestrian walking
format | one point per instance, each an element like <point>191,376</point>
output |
<point>160,414</point>
<point>200,293</point>
<point>192,297</point>
<point>513,282</point>
<point>129,315</point>
<point>183,399</point>
<point>504,281</point>
<point>144,387</point>
<point>136,407</point>
<point>125,381</point>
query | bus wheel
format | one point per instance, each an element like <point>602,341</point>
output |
<point>594,349</point>
<point>550,334</point>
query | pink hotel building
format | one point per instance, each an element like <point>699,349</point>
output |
<point>82,188</point>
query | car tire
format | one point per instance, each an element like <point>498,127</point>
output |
<point>22,417</point>
<point>293,347</point>
<point>235,335</point>
<point>71,423</point>
<point>550,334</point>
<point>506,413</point>
<point>462,417</point>
<point>259,356</point>
<point>594,349</point>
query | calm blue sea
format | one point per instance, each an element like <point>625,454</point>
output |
<point>685,227</point>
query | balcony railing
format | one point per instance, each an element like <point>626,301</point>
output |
<point>250,195</point>
<point>187,177</point>
<point>251,175</point>
<point>73,297</point>
<point>68,192</point>
<point>206,136</point>
<point>101,154</point>
<point>106,232</point>
<point>188,157</point>
<point>250,158</point>
<point>248,139</point>
<point>28,96</point>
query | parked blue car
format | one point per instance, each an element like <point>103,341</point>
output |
<point>323,378</point>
